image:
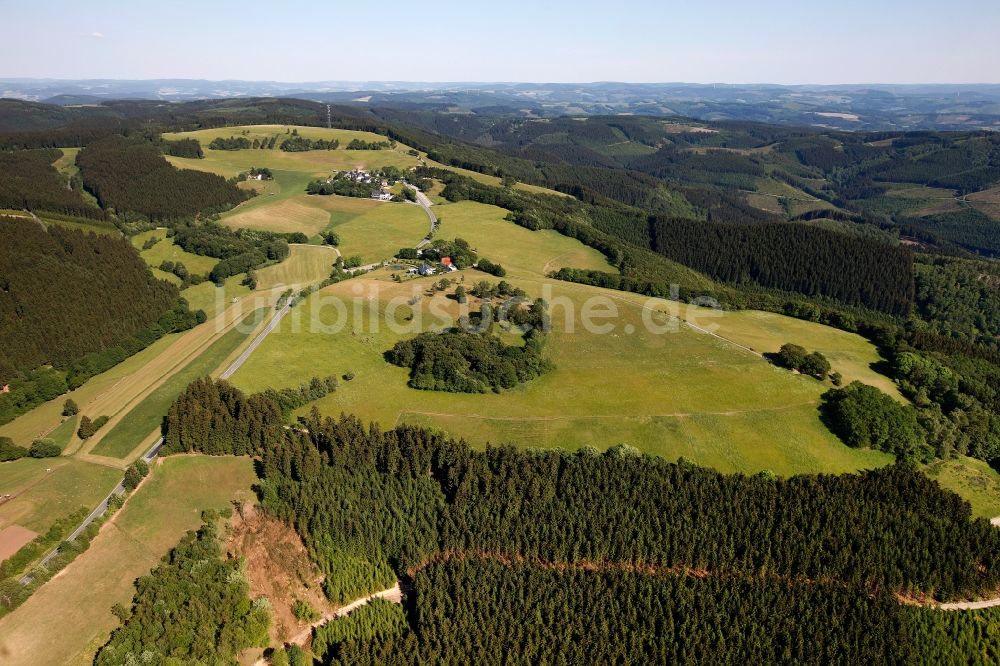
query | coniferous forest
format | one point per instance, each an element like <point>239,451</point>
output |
<point>78,302</point>
<point>544,553</point>
<point>132,177</point>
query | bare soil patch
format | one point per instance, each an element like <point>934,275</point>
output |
<point>12,538</point>
<point>279,568</point>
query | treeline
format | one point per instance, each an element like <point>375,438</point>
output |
<point>134,179</point>
<point>361,144</point>
<point>232,143</point>
<point>370,503</point>
<point>185,148</point>
<point>73,304</point>
<point>29,181</point>
<point>792,257</point>
<point>238,250</point>
<point>194,607</point>
<point>298,144</point>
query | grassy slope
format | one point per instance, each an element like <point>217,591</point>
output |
<point>146,417</point>
<point>165,250</point>
<point>41,497</point>
<point>378,233</point>
<point>307,264</point>
<point>152,521</point>
<point>679,394</point>
<point>973,479</point>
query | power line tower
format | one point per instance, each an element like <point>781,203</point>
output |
<point>329,124</point>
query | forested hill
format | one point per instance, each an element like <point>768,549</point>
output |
<point>133,177</point>
<point>77,301</point>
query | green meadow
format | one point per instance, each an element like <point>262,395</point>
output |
<point>678,393</point>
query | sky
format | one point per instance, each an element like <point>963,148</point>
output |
<point>701,41</point>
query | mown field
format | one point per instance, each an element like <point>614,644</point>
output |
<point>305,265</point>
<point>52,488</point>
<point>69,618</point>
<point>681,393</point>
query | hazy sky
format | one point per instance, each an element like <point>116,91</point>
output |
<point>772,41</point>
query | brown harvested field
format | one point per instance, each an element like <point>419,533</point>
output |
<point>66,621</point>
<point>283,216</point>
<point>986,202</point>
<point>12,538</point>
<point>278,567</point>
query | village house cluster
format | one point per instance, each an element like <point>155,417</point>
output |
<point>446,265</point>
<point>366,178</point>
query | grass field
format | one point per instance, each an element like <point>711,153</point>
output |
<point>41,497</point>
<point>63,433</point>
<point>306,264</point>
<point>849,354</point>
<point>165,250</point>
<point>379,233</point>
<point>678,394</point>
<point>681,393</point>
<point>986,202</point>
<point>973,479</point>
<point>523,253</point>
<point>136,426</point>
<point>69,618</point>
<point>313,163</point>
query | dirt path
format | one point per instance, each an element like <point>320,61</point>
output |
<point>393,594</point>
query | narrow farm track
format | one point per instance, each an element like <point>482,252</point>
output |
<point>393,594</point>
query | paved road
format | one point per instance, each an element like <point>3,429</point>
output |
<point>426,204</point>
<point>271,325</point>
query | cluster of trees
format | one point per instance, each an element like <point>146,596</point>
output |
<point>40,448</point>
<point>863,416</point>
<point>360,144</point>
<point>194,607</point>
<point>959,297</point>
<point>232,143</point>
<point>487,266</point>
<point>239,251</point>
<point>343,186</point>
<point>190,148</point>
<point>461,253</point>
<point>241,143</point>
<point>134,179</point>
<point>88,428</point>
<point>292,398</point>
<point>793,257</point>
<point>298,144</point>
<point>29,181</point>
<point>73,304</point>
<point>795,357</point>
<point>216,418</point>
<point>461,360</point>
